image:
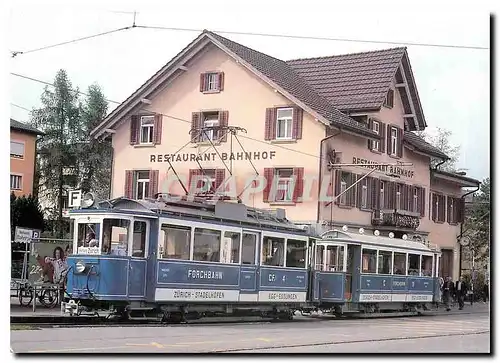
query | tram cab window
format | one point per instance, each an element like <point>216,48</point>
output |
<point>174,242</point>
<point>426,265</point>
<point>88,239</point>
<point>384,262</point>
<point>206,245</point>
<point>230,249</point>
<point>399,263</point>
<point>139,239</point>
<point>413,264</point>
<point>248,249</point>
<point>115,236</point>
<point>369,261</point>
<point>295,253</point>
<point>334,258</point>
<point>319,257</point>
<point>273,251</point>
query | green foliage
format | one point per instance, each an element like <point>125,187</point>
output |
<point>442,141</point>
<point>477,223</point>
<point>25,212</point>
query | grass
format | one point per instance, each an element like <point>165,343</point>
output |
<point>22,327</point>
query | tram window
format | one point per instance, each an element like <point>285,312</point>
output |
<point>295,253</point>
<point>334,258</point>
<point>230,251</point>
<point>175,242</point>
<point>319,257</point>
<point>399,263</point>
<point>206,245</point>
<point>426,265</point>
<point>273,251</point>
<point>369,261</point>
<point>248,248</point>
<point>384,262</point>
<point>115,236</point>
<point>139,239</point>
<point>413,264</point>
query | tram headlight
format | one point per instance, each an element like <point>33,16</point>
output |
<point>88,200</point>
<point>80,266</point>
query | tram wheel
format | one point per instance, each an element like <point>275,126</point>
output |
<point>49,298</point>
<point>25,296</point>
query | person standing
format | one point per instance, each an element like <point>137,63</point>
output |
<point>447,292</point>
<point>461,291</point>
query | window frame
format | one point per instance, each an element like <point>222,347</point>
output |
<point>389,101</point>
<point>391,261</point>
<point>382,184</point>
<point>375,144</point>
<point>138,180</point>
<point>397,198</point>
<point>14,177</point>
<point>288,123</point>
<point>213,134</point>
<point>343,188</point>
<point>364,194</point>
<point>142,127</point>
<point>394,140</point>
<point>175,226</point>
<point>285,237</point>
<point>215,81</point>
<point>131,238</point>
<point>416,200</point>
<point>370,248</point>
<point>288,181</point>
<point>16,156</point>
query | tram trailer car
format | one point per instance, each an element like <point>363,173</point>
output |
<point>177,259</point>
<point>171,258</point>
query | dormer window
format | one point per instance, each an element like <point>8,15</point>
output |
<point>389,99</point>
<point>212,82</point>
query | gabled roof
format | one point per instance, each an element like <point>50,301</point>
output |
<point>360,81</point>
<point>275,72</point>
<point>463,180</point>
<point>423,146</point>
<point>22,127</point>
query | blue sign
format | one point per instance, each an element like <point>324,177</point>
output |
<point>283,278</point>
<point>195,273</point>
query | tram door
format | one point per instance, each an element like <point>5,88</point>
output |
<point>352,270</point>
<point>138,259</point>
<point>249,278</point>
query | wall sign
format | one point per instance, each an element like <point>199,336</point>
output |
<point>255,155</point>
<point>398,170</point>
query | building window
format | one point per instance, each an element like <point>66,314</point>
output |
<point>147,129</point>
<point>389,99</point>
<point>16,182</point>
<point>364,193</point>
<point>398,196</point>
<point>415,200</point>
<point>438,208</point>
<point>394,141</point>
<point>142,185</point>
<point>382,194</point>
<point>211,82</point>
<point>284,189</point>
<point>343,187</point>
<point>210,122</point>
<point>209,180</point>
<point>284,123</point>
<point>375,143</point>
<point>17,149</point>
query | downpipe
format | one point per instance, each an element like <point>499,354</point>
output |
<point>462,230</point>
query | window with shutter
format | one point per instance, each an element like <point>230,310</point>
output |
<point>196,125</point>
<point>284,179</point>
<point>270,126</point>
<point>422,202</point>
<point>157,129</point>
<point>297,123</point>
<point>142,184</point>
<point>284,123</point>
<point>134,129</point>
<point>153,185</point>
<point>351,194</point>
<point>375,126</point>
<point>146,132</point>
<point>343,183</point>
<point>129,184</point>
<point>17,149</point>
<point>223,123</point>
<point>375,193</point>
<point>434,207</point>
<point>382,198</point>
<point>211,82</point>
<point>399,194</point>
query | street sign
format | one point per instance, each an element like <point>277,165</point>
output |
<point>74,198</point>
<point>25,235</point>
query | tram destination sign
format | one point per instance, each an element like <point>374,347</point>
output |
<point>391,169</point>
<point>212,156</point>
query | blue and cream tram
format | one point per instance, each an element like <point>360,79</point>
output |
<point>171,256</point>
<point>361,273</point>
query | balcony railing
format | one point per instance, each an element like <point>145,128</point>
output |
<point>396,218</point>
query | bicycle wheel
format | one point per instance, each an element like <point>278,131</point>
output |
<point>49,298</point>
<point>25,295</point>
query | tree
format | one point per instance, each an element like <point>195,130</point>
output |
<point>96,154</point>
<point>477,223</point>
<point>25,212</point>
<point>442,141</point>
<point>57,160</point>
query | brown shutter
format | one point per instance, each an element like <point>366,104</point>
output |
<point>382,128</point>
<point>352,191</point>
<point>388,138</point>
<point>442,204</point>
<point>192,173</point>
<point>297,123</point>
<point>449,201</point>
<point>223,122</point>
<point>411,192</point>
<point>422,202</point>
<point>392,195</point>
<point>359,188</point>
<point>434,207</point>
<point>158,129</point>
<point>196,121</point>
<point>375,194</point>
<point>370,127</point>
<point>461,210</point>
<point>338,178</point>
<point>220,175</point>
<point>270,131</point>
<point>400,143</point>
<point>129,184</point>
<point>153,183</point>
<point>203,78</point>
<point>298,191</point>
<point>369,192</point>
<point>134,130</point>
<point>268,179</point>
<point>221,81</point>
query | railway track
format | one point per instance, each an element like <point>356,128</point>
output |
<point>91,321</point>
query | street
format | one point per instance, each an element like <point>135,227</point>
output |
<point>447,333</point>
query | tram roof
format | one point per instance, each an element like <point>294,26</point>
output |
<point>198,209</point>
<point>378,241</point>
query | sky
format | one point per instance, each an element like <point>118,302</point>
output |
<point>453,83</point>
